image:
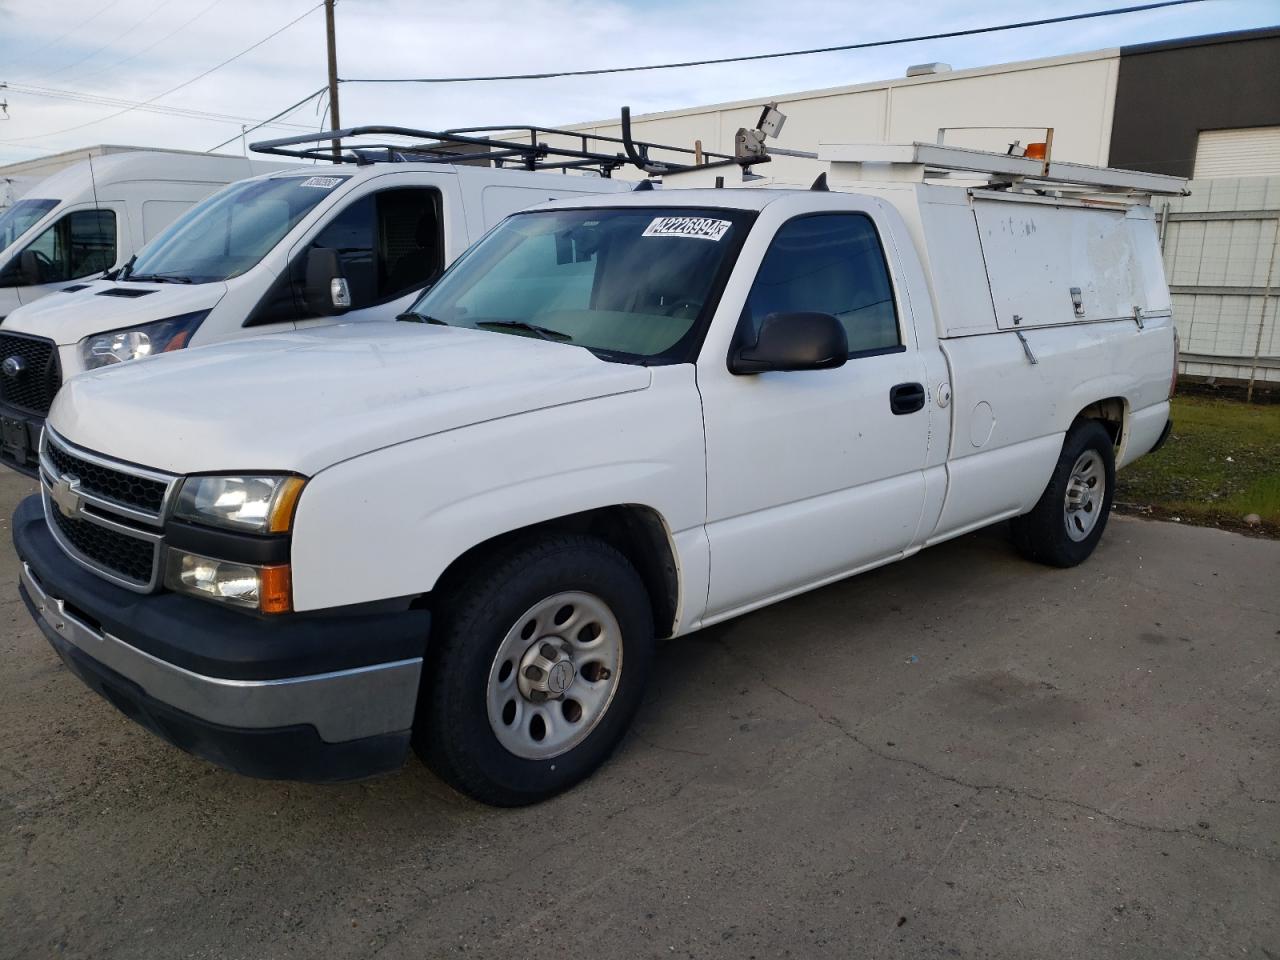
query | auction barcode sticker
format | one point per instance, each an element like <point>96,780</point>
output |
<point>324,183</point>
<point>700,228</point>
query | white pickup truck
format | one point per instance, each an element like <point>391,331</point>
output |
<point>617,418</point>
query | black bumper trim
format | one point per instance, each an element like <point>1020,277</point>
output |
<point>207,639</point>
<point>277,753</point>
<point>29,464</point>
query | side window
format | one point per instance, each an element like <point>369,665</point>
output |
<point>389,243</point>
<point>351,233</point>
<point>828,263</point>
<point>410,240</point>
<point>79,245</point>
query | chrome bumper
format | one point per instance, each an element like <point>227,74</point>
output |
<point>341,706</point>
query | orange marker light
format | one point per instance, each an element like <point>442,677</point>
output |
<point>1036,151</point>
<point>286,501</point>
<point>275,593</point>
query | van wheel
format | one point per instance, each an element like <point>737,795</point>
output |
<point>536,665</point>
<point>1067,522</point>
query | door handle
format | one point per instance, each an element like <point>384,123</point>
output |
<point>906,398</point>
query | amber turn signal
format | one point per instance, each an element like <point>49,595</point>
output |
<point>275,590</point>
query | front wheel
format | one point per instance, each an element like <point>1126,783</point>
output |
<point>536,667</point>
<point>1066,523</point>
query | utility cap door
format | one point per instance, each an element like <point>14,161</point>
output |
<point>1050,264</point>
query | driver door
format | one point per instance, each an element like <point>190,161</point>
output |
<point>79,245</point>
<point>812,475</point>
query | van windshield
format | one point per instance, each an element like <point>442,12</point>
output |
<point>635,284</point>
<point>228,233</point>
<point>18,219</point>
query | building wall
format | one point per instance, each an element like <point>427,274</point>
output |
<point>1074,95</point>
<point>1169,92</point>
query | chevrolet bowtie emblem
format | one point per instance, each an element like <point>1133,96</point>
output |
<point>65,493</point>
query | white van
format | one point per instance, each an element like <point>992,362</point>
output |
<point>616,418</point>
<point>296,247</point>
<point>90,217</point>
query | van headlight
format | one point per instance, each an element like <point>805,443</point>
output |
<point>134,343</point>
<point>250,504</point>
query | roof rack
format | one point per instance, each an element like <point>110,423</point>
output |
<point>920,161</point>
<point>522,146</point>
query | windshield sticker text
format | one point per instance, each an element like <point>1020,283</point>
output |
<point>700,228</point>
<point>324,183</point>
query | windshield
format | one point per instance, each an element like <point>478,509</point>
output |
<point>15,221</point>
<point>629,283</point>
<point>229,232</point>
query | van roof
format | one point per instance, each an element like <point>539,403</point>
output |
<point>116,168</point>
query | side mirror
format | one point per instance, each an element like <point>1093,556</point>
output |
<point>29,273</point>
<point>325,291</point>
<point>793,341</point>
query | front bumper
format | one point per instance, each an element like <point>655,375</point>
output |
<point>20,439</point>
<point>186,669</point>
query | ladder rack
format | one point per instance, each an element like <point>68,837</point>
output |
<point>916,162</point>
<point>524,147</point>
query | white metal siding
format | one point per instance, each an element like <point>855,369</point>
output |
<point>1250,152</point>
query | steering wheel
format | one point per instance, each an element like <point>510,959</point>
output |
<point>694,307</point>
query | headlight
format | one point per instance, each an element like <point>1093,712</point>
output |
<point>265,589</point>
<point>251,504</point>
<point>134,343</point>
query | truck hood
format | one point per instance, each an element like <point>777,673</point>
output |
<point>67,318</point>
<point>307,400</point>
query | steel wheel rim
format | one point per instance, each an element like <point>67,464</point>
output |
<point>554,675</point>
<point>1086,491</point>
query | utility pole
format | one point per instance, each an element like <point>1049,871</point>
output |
<point>333,76</point>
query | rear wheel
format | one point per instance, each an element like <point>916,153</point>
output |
<point>537,663</point>
<point>1068,520</point>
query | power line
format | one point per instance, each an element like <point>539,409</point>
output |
<point>185,83</point>
<point>62,36</point>
<point>789,53</point>
<point>77,96</point>
<point>133,25</point>
<point>286,110</point>
<point>151,46</point>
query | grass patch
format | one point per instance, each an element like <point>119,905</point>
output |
<point>1220,464</point>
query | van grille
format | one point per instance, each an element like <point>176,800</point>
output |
<point>37,377</point>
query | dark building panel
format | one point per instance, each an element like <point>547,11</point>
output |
<point>1168,92</point>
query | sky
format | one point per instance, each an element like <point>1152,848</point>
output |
<point>56,53</point>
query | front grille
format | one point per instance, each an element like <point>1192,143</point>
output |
<point>126,489</point>
<point>30,387</point>
<point>115,552</point>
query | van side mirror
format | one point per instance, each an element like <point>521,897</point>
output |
<point>325,291</point>
<point>22,271</point>
<point>793,341</point>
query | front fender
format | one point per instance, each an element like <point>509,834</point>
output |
<point>387,524</point>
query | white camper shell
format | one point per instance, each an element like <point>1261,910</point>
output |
<point>616,418</point>
<point>92,216</point>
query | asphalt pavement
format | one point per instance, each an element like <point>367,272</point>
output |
<point>960,755</point>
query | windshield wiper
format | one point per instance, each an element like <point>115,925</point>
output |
<point>412,316</point>
<point>546,333</point>
<point>160,278</point>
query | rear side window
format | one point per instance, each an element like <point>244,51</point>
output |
<point>828,263</point>
<point>78,245</point>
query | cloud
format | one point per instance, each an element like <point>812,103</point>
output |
<point>135,49</point>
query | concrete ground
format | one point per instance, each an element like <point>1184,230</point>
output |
<point>961,755</point>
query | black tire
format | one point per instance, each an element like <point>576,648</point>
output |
<point>452,732</point>
<point>1042,535</point>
